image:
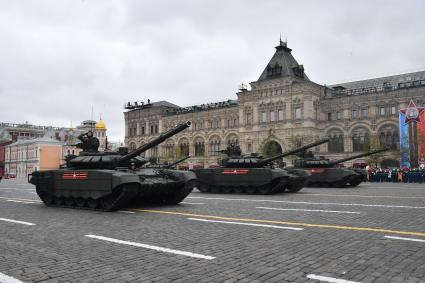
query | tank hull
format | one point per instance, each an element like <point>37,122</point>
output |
<point>334,177</point>
<point>248,180</point>
<point>110,190</point>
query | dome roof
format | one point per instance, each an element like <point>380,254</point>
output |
<point>100,125</point>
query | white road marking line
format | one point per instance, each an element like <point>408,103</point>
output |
<point>20,201</point>
<point>16,189</point>
<point>329,279</point>
<point>126,211</point>
<point>16,221</point>
<point>405,239</point>
<point>312,210</point>
<point>314,203</point>
<point>156,248</point>
<point>192,202</point>
<point>23,199</point>
<point>8,279</point>
<point>248,224</point>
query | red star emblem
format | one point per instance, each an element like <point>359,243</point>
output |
<point>412,113</point>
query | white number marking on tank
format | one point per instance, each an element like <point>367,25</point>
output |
<point>314,203</point>
<point>248,224</point>
<point>155,248</point>
<point>17,222</point>
<point>405,239</point>
<point>309,210</point>
<point>8,279</point>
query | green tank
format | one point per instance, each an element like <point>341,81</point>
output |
<point>325,172</point>
<point>252,174</point>
<point>109,181</point>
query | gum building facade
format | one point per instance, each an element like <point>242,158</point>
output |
<point>282,109</point>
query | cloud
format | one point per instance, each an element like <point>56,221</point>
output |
<point>61,58</point>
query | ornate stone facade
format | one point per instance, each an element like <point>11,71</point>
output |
<point>285,107</point>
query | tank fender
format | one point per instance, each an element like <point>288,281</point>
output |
<point>184,176</point>
<point>119,178</point>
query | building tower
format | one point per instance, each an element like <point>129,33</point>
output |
<point>100,133</point>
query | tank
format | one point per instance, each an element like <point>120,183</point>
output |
<point>325,172</point>
<point>110,181</point>
<point>252,174</point>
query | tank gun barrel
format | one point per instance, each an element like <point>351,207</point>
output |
<point>358,156</point>
<point>177,162</point>
<point>287,153</point>
<point>173,131</point>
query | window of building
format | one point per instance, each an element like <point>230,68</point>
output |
<point>143,130</point>
<point>361,141</point>
<point>249,118</point>
<point>393,109</point>
<point>280,114</point>
<point>329,116</point>
<point>365,112</point>
<point>199,148</point>
<point>382,110</point>
<point>152,129</point>
<point>354,113</point>
<point>297,112</point>
<point>339,115</point>
<point>215,147</point>
<point>264,117</point>
<point>272,117</point>
<point>336,142</point>
<point>249,147</point>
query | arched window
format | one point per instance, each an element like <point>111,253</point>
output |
<point>184,147</point>
<point>169,149</point>
<point>232,139</point>
<point>361,139</point>
<point>132,146</point>
<point>199,147</point>
<point>215,145</point>
<point>336,141</point>
<point>389,137</point>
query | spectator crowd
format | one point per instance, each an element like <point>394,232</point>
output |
<point>397,175</point>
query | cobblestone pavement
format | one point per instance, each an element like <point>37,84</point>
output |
<point>373,233</point>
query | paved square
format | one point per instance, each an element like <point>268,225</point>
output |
<point>373,233</point>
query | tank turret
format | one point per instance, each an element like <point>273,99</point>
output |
<point>113,160</point>
<point>254,161</point>
<point>321,162</point>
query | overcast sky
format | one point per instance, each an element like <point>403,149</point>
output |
<point>60,58</point>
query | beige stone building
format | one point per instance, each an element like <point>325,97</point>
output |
<point>283,108</point>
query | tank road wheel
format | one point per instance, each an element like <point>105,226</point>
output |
<point>180,194</point>
<point>215,189</point>
<point>93,203</point>
<point>69,201</point>
<point>227,190</point>
<point>265,190</point>
<point>58,200</point>
<point>250,190</point>
<point>203,188</point>
<point>106,203</point>
<point>48,199</point>
<point>80,202</point>
<point>238,189</point>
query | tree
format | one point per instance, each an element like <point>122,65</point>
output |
<point>374,144</point>
<point>269,147</point>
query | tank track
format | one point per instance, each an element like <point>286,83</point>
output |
<point>277,186</point>
<point>350,181</point>
<point>118,199</point>
<point>122,197</point>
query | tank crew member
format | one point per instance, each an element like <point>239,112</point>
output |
<point>233,150</point>
<point>88,143</point>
